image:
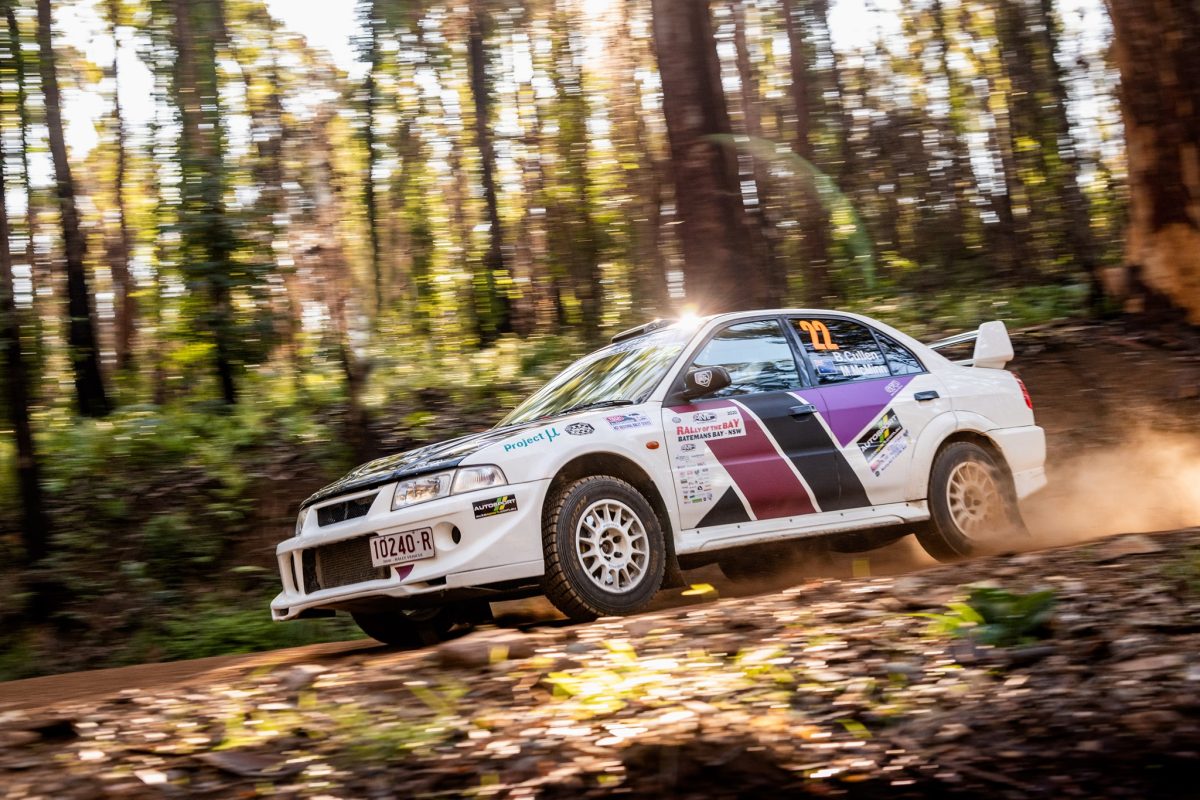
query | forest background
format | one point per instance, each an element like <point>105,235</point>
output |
<point>234,264</point>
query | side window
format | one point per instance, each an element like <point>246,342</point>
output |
<point>899,359</point>
<point>840,350</point>
<point>757,355</point>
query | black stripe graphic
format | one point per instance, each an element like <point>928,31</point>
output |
<point>728,511</point>
<point>811,449</point>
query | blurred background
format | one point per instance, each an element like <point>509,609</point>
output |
<point>248,244</point>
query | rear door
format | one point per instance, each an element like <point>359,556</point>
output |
<point>878,399</point>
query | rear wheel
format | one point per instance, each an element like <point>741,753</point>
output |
<point>604,549</point>
<point>972,503</point>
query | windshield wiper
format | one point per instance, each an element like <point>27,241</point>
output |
<point>596,404</point>
<point>584,407</point>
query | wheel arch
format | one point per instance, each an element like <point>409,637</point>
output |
<point>919,489</point>
<point>628,470</point>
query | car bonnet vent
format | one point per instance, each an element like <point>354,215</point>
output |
<point>334,513</point>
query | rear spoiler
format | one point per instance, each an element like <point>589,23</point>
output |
<point>993,348</point>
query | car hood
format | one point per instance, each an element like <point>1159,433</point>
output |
<point>431,458</point>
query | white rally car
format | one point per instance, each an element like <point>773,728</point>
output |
<point>730,439</point>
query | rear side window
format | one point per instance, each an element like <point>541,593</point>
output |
<point>757,354</point>
<point>840,350</point>
<point>899,359</point>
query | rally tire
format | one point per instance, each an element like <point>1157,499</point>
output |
<point>604,549</point>
<point>972,503</point>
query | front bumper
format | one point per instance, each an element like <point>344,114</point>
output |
<point>329,566</point>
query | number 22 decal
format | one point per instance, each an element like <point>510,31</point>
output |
<point>819,334</point>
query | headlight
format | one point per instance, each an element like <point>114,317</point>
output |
<point>422,489</point>
<point>300,521</point>
<point>444,484</point>
<point>469,479</point>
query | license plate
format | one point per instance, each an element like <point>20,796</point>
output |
<point>400,548</point>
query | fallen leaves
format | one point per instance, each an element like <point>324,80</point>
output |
<point>828,688</point>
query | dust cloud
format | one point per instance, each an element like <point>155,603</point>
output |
<point>1148,481</point>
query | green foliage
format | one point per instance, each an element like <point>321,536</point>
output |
<point>998,617</point>
<point>229,625</point>
<point>1185,572</point>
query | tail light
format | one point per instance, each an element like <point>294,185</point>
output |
<point>1024,392</point>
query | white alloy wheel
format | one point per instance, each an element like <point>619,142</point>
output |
<point>612,546</point>
<point>974,499</point>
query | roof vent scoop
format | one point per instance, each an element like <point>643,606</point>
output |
<point>642,330</point>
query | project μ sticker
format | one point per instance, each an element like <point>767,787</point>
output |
<point>883,442</point>
<point>490,508</point>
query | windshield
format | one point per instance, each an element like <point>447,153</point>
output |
<point>622,374</point>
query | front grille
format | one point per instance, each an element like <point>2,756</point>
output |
<point>349,509</point>
<point>339,564</point>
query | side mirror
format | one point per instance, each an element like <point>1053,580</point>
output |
<point>705,381</point>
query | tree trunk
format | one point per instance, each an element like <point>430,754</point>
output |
<point>124,302</point>
<point>719,274</point>
<point>1079,237</point>
<point>815,218</point>
<point>775,274</point>
<point>494,312</point>
<point>370,198</point>
<point>35,269</point>
<point>208,240</point>
<point>84,352</point>
<point>1157,50</point>
<point>35,529</point>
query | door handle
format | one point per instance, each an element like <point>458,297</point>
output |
<point>929,395</point>
<point>802,410</point>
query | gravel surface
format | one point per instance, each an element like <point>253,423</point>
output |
<point>830,688</point>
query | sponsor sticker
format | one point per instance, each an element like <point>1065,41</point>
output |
<point>495,506</point>
<point>893,387</point>
<point>580,429</point>
<point>624,422</point>
<point>883,442</point>
<point>544,436</point>
<point>704,378</point>
<point>705,426</point>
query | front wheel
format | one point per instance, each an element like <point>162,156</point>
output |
<point>972,504</point>
<point>604,549</point>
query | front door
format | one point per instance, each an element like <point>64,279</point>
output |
<point>755,450</point>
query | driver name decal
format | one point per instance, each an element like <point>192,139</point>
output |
<point>707,425</point>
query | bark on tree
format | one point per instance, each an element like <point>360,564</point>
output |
<point>35,528</point>
<point>198,27</point>
<point>81,336</point>
<point>124,302</point>
<point>37,270</point>
<point>494,311</point>
<point>720,273</point>
<point>370,197</point>
<point>815,218</point>
<point>1157,50</point>
<point>775,274</point>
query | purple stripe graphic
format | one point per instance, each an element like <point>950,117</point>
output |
<point>853,406</point>
<point>764,477</point>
